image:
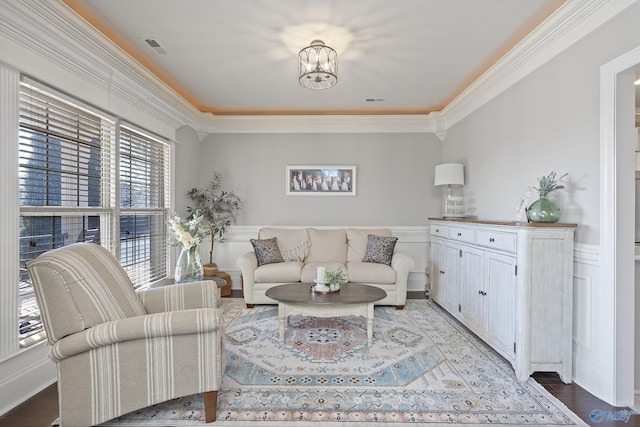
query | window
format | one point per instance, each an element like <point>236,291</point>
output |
<point>144,185</point>
<point>69,187</point>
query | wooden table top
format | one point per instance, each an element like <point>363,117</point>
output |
<point>350,293</point>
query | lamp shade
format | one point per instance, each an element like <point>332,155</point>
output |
<point>449,174</point>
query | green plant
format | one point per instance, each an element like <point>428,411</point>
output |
<point>337,276</point>
<point>549,183</point>
<point>219,208</point>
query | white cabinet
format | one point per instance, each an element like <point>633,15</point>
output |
<point>472,299</point>
<point>511,284</point>
<point>500,300</point>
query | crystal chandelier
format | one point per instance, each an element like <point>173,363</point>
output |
<point>318,66</point>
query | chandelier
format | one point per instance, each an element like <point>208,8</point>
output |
<point>318,66</point>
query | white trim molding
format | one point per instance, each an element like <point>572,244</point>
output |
<point>77,47</point>
<point>571,22</point>
<point>617,266</point>
<point>9,211</point>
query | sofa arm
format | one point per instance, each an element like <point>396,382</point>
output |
<point>167,324</point>
<point>247,264</point>
<point>181,296</point>
<point>403,265</point>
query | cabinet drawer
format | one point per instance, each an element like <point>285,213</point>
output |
<point>462,234</point>
<point>440,230</point>
<point>496,240</point>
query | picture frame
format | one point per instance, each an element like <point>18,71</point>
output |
<point>321,180</point>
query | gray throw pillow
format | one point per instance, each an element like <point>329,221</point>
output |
<point>379,249</point>
<point>267,251</point>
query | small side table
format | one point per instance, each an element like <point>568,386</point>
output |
<point>225,290</point>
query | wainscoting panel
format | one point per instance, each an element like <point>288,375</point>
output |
<point>412,240</point>
<point>592,325</point>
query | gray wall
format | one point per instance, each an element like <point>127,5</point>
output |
<point>187,154</point>
<point>549,121</point>
<point>394,177</point>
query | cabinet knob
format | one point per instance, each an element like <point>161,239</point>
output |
<point>437,230</point>
<point>441,272</point>
<point>491,239</point>
<point>459,234</point>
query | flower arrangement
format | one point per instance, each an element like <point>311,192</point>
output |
<point>549,183</point>
<point>334,277</point>
<point>186,233</point>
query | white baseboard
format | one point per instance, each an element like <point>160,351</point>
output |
<point>25,375</point>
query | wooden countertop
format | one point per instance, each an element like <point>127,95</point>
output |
<point>508,223</point>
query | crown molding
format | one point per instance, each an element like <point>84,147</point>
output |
<point>571,22</point>
<point>77,47</point>
<point>405,123</point>
<point>52,31</point>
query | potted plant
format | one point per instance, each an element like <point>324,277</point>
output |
<point>543,209</point>
<point>335,278</point>
<point>219,209</point>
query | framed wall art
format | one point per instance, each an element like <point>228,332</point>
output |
<point>329,180</point>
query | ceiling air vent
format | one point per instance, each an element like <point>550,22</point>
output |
<point>375,99</point>
<point>153,44</point>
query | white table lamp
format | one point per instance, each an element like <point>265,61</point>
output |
<point>451,175</point>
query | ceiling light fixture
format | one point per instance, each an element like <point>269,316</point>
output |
<point>318,66</point>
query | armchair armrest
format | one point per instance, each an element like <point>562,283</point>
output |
<point>139,328</point>
<point>181,296</point>
<point>247,264</point>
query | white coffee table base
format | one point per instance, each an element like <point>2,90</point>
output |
<point>286,309</point>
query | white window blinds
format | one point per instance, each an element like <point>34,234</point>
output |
<point>72,169</point>
<point>144,196</point>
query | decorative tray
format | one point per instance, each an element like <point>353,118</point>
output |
<point>329,291</point>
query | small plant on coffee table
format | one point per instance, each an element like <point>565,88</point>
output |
<point>336,277</point>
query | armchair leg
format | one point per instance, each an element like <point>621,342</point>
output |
<point>210,405</point>
<point>399,307</point>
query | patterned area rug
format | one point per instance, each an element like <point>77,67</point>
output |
<point>423,368</point>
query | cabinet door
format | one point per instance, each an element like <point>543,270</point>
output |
<point>472,288</point>
<point>450,279</point>
<point>500,300</point>
<point>437,269</point>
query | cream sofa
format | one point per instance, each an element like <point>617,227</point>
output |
<point>305,249</point>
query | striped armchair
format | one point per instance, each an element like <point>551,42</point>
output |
<point>117,350</point>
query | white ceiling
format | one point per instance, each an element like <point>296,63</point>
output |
<point>240,56</point>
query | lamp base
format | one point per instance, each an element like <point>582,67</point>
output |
<point>453,202</point>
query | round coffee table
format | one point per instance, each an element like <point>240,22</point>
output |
<point>353,299</point>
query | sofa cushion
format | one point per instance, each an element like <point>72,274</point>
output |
<point>310,268</point>
<point>366,272</point>
<point>287,271</point>
<point>357,241</point>
<point>327,245</point>
<point>379,249</point>
<point>267,251</point>
<point>293,242</point>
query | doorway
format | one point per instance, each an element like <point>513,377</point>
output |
<point>617,219</point>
